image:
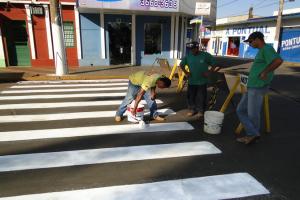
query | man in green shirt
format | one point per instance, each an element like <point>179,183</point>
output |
<point>142,85</point>
<point>198,63</point>
<point>260,77</point>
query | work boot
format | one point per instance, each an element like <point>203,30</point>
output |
<point>118,118</point>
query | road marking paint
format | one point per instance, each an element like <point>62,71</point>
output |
<point>70,85</point>
<point>66,104</point>
<point>68,116</point>
<point>92,130</point>
<point>58,96</point>
<point>226,186</point>
<point>74,81</point>
<point>104,155</point>
<point>63,90</point>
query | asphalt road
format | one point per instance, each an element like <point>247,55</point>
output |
<point>42,152</point>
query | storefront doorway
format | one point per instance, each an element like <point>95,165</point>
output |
<point>17,43</point>
<point>119,42</point>
<point>233,46</point>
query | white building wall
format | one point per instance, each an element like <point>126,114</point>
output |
<point>242,31</point>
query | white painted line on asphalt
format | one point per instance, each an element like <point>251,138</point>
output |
<point>64,90</point>
<point>70,85</point>
<point>105,155</point>
<point>227,186</point>
<point>74,81</point>
<point>92,130</point>
<point>68,116</point>
<point>65,104</point>
<point>58,96</point>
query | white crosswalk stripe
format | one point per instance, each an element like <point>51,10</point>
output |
<point>64,90</point>
<point>67,116</point>
<point>65,96</point>
<point>73,81</point>
<point>66,104</point>
<point>226,186</point>
<point>87,85</point>
<point>105,155</point>
<point>92,130</point>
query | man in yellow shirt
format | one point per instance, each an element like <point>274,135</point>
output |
<point>142,85</point>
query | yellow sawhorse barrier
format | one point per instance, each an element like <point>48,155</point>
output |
<point>237,84</point>
<point>181,75</point>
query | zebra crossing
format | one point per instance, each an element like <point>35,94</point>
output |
<point>104,96</point>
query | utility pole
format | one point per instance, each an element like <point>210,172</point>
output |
<point>278,25</point>
<point>58,40</point>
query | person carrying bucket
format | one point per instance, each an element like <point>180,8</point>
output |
<point>198,63</point>
<point>143,85</point>
<point>260,77</point>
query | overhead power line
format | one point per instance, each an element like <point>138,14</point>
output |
<point>227,4</point>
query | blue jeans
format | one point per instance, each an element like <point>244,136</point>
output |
<point>132,92</point>
<point>249,110</point>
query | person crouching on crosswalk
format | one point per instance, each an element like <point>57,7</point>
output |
<point>142,85</point>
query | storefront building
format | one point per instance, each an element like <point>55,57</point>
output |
<point>227,38</point>
<point>134,32</point>
<point>98,32</point>
<point>25,33</point>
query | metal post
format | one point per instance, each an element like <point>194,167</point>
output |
<point>176,36</point>
<point>200,31</point>
<point>278,25</point>
<point>58,41</point>
<point>172,36</point>
<point>133,40</point>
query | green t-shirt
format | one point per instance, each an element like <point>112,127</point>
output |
<point>197,65</point>
<point>264,57</point>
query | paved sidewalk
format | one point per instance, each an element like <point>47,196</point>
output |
<point>12,74</point>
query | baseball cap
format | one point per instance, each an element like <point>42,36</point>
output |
<point>255,35</point>
<point>193,45</point>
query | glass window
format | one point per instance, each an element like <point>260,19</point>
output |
<point>153,38</point>
<point>69,34</point>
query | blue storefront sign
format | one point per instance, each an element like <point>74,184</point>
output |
<point>290,45</point>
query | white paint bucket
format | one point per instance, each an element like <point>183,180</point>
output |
<point>213,121</point>
<point>139,113</point>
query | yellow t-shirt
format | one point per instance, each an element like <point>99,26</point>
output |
<point>146,81</point>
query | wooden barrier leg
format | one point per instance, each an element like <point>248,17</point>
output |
<point>267,113</point>
<point>173,71</point>
<point>229,97</point>
<point>180,81</point>
<point>240,127</point>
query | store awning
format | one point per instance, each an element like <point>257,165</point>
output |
<point>196,20</point>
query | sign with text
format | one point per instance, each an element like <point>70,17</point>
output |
<point>202,8</point>
<point>290,45</point>
<point>244,79</point>
<point>247,30</point>
<point>142,5</point>
<point>37,10</point>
